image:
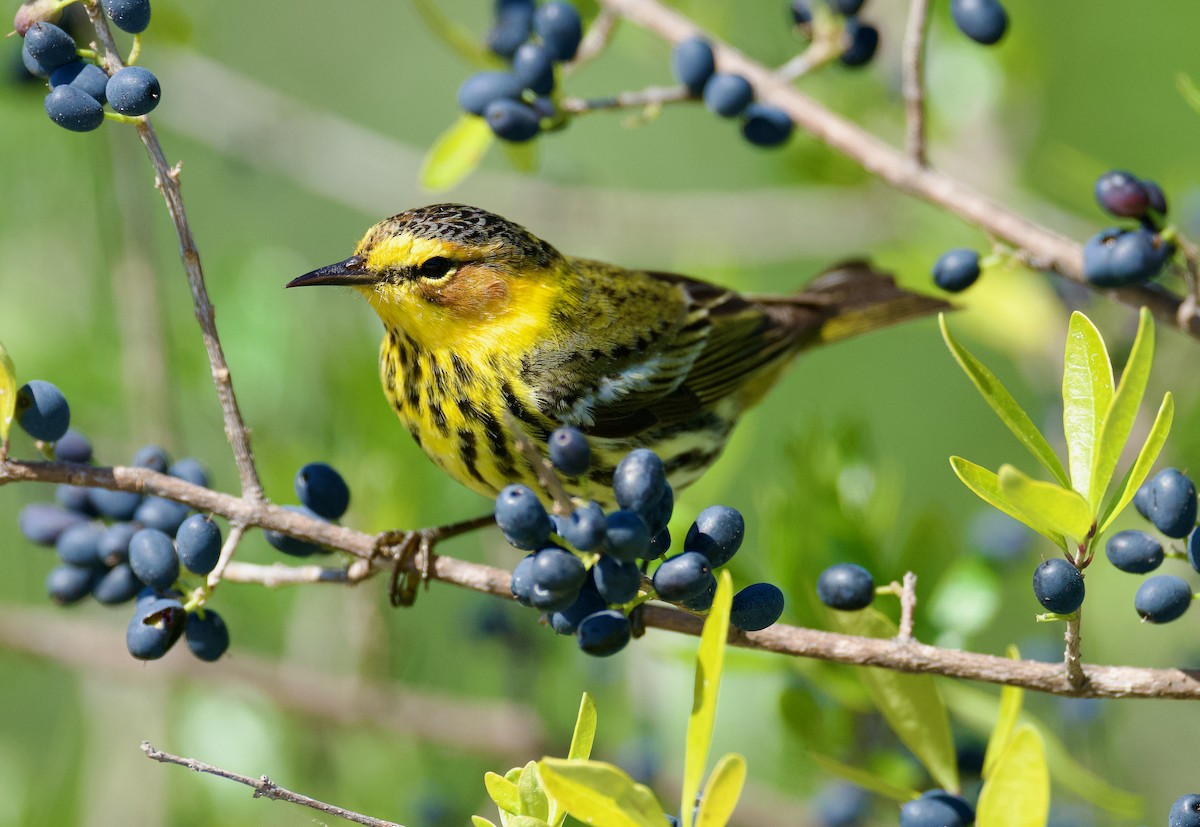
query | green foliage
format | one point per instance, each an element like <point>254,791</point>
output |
<point>1016,793</point>
<point>456,153</point>
<point>8,394</point>
<point>710,660</point>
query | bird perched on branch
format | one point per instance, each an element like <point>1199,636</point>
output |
<point>486,325</point>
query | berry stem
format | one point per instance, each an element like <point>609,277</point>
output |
<point>88,54</point>
<point>913,69</point>
<point>117,117</point>
<point>135,51</point>
<point>828,42</point>
<point>650,97</point>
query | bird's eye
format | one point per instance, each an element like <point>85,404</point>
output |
<point>435,267</point>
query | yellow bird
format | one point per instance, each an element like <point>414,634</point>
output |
<point>486,324</point>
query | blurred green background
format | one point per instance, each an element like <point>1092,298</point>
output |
<point>299,125</point>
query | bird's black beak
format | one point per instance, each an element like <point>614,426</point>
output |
<point>349,272</point>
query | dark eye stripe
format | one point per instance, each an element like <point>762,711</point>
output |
<point>435,267</point>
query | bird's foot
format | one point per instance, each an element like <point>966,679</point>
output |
<point>401,547</point>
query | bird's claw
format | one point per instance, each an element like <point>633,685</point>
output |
<point>401,546</point>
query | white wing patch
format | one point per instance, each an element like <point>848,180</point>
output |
<point>653,377</point>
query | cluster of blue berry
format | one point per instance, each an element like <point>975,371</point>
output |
<point>323,495</point>
<point>584,572</point>
<point>79,87</point>
<point>862,39</point>
<point>1117,257</point>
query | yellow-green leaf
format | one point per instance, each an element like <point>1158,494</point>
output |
<point>480,821</point>
<point>1087,390</point>
<point>532,797</point>
<point>1002,402</point>
<point>986,486</point>
<point>910,703</point>
<point>455,153</point>
<point>1062,510</point>
<point>1006,721</point>
<point>1017,793</point>
<point>600,794</point>
<point>1187,88</point>
<point>523,157</point>
<point>585,729</point>
<point>525,821</point>
<point>503,792</point>
<point>8,393</point>
<point>456,36</point>
<point>1137,472</point>
<point>1118,423</point>
<point>722,791</point>
<point>710,659</point>
<point>864,779</point>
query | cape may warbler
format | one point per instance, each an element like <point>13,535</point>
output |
<point>486,324</point>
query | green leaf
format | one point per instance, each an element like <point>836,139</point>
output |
<point>455,153</point>
<point>525,821</point>
<point>1010,710</point>
<point>457,37</point>
<point>8,393</point>
<point>600,794</point>
<point>1002,402</point>
<point>503,792</point>
<point>966,598</point>
<point>585,729</point>
<point>722,791</point>
<point>1118,423</point>
<point>909,702</point>
<point>1187,88</point>
<point>710,659</point>
<point>1017,793</point>
<point>986,486</point>
<point>1137,472</point>
<point>533,799</point>
<point>864,779</point>
<point>480,821</point>
<point>1087,390</point>
<point>1062,510</point>
<point>523,157</point>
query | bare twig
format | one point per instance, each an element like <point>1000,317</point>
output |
<point>908,606</point>
<point>279,574</point>
<point>1072,656</point>
<point>651,96</point>
<point>236,530</point>
<point>595,39</point>
<point>541,466</point>
<point>264,787</point>
<point>913,67</point>
<point>820,52</point>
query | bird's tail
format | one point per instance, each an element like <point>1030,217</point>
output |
<point>849,299</point>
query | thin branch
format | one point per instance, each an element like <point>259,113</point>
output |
<point>280,574</point>
<point>1072,656</point>
<point>236,531</point>
<point>913,69</point>
<point>264,787</point>
<point>820,52</point>
<point>167,182</point>
<point>651,96</point>
<point>908,606</point>
<point>595,39</point>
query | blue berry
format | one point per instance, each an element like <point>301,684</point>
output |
<point>766,125</point>
<point>1158,199</point>
<point>72,108</point>
<point>86,77</point>
<point>70,584</point>
<point>626,536</point>
<point>291,545</point>
<point>864,42</point>
<point>566,621</point>
<point>640,480</point>
<point>521,583</point>
<point>558,570</point>
<point>728,95</point>
<point>42,410</point>
<point>1185,812</point>
<point>322,490</point>
<point>153,559</point>
<point>161,513</point>
<point>660,544</point>
<point>1058,586</point>
<point>552,601</point>
<point>584,528</point>
<point>154,628</point>
<point>133,91</point>
<point>841,805</point>
<point>846,586</point>
<point>31,65</point>
<point>534,67</point>
<point>1116,257</point>
<point>512,121</point>
<point>522,517</point>
<point>1122,194</point>
<point>514,23</point>
<point>50,46</point>
<point>131,16</point>
<point>207,635</point>
<point>569,451</point>
<point>560,28</point>
<point>846,8</point>
<point>113,547</point>
<point>930,812</point>
<point>717,533</point>
<point>75,498</point>
<point>117,585</point>
<point>198,543</point>
<point>954,802</point>
<point>1134,551</point>
<point>692,63</point>
<point>956,270</point>
<point>154,457</point>
<point>802,12</point>
<point>603,633</point>
<point>1170,503</point>
<point>756,607</point>
<point>702,601</point>
<point>984,21</point>
<point>190,470</point>
<point>116,505</point>
<point>79,545</point>
<point>1193,548</point>
<point>482,88</point>
<point>682,576</point>
<point>42,523</point>
<point>657,516</point>
<point>73,447</point>
<point>1162,598</point>
<point>617,581</point>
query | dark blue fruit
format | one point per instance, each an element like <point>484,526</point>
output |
<point>766,125</point>
<point>42,523</point>
<point>846,586</point>
<point>75,498</point>
<point>1170,503</point>
<point>198,543</point>
<point>190,470</point>
<point>42,410</point>
<point>727,95</point>
<point>117,585</point>
<point>702,601</point>
<point>86,77</point>
<point>640,480</point>
<point>32,66</point>
<point>552,601</point>
<point>956,270</point>
<point>207,635</point>
<point>692,63</point>
<point>682,576</point>
<point>154,628</point>
<point>864,42</point>
<point>73,447</point>
<point>522,517</point>
<point>49,45</point>
<point>161,513</point>
<point>322,490</point>
<point>756,607</point>
<point>626,536</point>
<point>565,622</point>
<point>846,8</point>
<point>291,545</point>
<point>116,505</point>
<point>514,23</point>
<point>660,544</point>
<point>1116,258</point>
<point>522,580</point>
<point>658,515</point>
<point>603,633</point>
<point>930,812</point>
<point>1134,551</point>
<point>558,570</point>
<point>512,121</point>
<point>1162,598</point>
<point>584,528</point>
<point>1193,549</point>
<point>131,16</point>
<point>569,451</point>
<point>154,457</point>
<point>1185,812</point>
<point>534,67</point>
<point>841,805</point>
<point>70,584</point>
<point>560,28</point>
<point>1058,586</point>
<point>802,12</point>
<point>1122,194</point>
<point>1158,199</point>
<point>617,581</point>
<point>717,533</point>
<point>954,802</point>
<point>984,21</point>
<point>133,91</point>
<point>79,545</point>
<point>153,559</point>
<point>113,547</point>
